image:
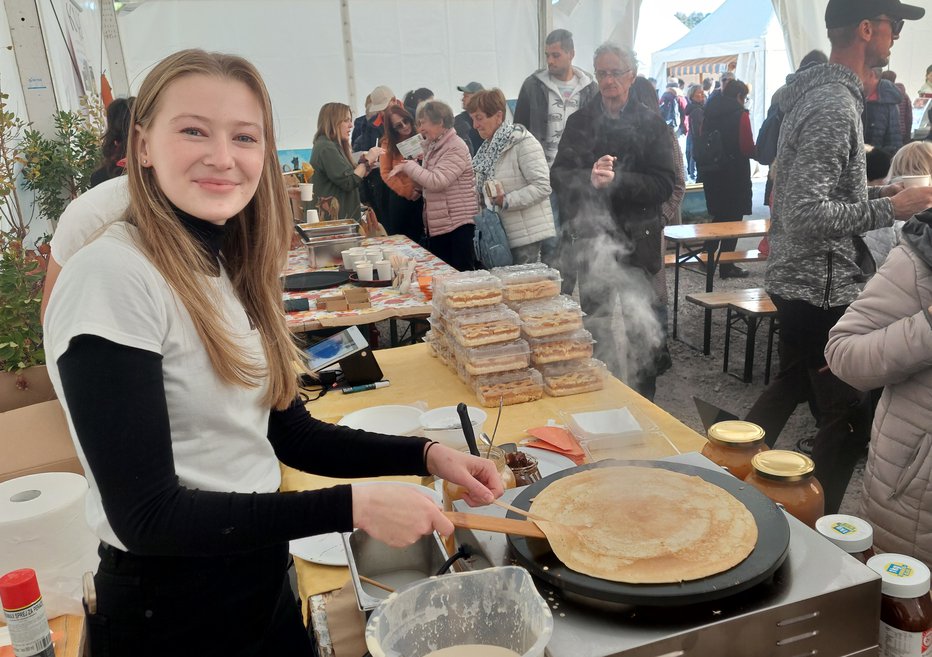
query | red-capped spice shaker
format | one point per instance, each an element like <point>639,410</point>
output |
<point>905,606</point>
<point>24,614</point>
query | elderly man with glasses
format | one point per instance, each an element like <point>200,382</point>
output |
<point>612,172</point>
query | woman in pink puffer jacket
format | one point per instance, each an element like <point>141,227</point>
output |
<point>446,177</point>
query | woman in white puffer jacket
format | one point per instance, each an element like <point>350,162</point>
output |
<point>512,157</point>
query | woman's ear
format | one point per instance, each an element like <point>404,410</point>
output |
<point>142,146</point>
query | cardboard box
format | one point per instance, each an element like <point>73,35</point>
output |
<point>356,295</point>
<point>359,306</point>
<point>36,439</point>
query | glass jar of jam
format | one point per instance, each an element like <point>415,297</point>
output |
<point>732,444</point>
<point>786,478</point>
<point>851,534</point>
<point>905,605</point>
<point>524,467</point>
<point>453,492</point>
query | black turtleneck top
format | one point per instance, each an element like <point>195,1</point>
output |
<point>108,385</point>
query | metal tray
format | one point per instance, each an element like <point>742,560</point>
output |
<point>321,228</point>
<point>773,539</point>
<point>327,253</point>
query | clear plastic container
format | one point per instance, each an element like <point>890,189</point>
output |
<point>525,283</point>
<point>494,358</point>
<point>472,289</point>
<point>550,316</point>
<point>496,606</point>
<point>482,327</point>
<point>514,387</point>
<point>561,347</point>
<point>573,377</point>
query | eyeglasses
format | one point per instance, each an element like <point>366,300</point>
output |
<point>614,73</point>
<point>896,24</point>
<point>401,124</point>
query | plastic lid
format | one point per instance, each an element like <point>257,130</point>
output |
<point>19,589</point>
<point>901,576</point>
<point>735,432</point>
<point>850,533</point>
<point>783,465</point>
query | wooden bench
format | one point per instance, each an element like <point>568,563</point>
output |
<point>717,300</point>
<point>733,257</point>
<point>750,312</point>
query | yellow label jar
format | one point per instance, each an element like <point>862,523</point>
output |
<point>787,478</point>
<point>732,444</point>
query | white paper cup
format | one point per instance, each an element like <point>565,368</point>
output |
<point>358,250</point>
<point>913,181</point>
<point>348,260</point>
<point>307,191</point>
<point>373,255</point>
<point>364,271</point>
<point>313,217</point>
<point>384,269</point>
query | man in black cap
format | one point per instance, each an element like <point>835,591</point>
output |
<point>821,204</point>
<point>462,122</point>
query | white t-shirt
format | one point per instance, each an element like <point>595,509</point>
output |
<point>87,214</point>
<point>563,101</point>
<point>219,442</point>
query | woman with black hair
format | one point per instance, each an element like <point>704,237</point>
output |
<point>113,146</point>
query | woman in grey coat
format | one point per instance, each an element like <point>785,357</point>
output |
<point>885,339</point>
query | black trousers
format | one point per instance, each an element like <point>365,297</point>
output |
<point>843,413</point>
<point>405,217</point>
<point>455,248</point>
<point>233,605</point>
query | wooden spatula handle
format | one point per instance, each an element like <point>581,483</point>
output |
<point>493,524</point>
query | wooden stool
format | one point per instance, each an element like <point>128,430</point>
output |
<point>715,300</point>
<point>751,313</point>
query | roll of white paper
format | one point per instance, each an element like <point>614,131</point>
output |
<point>43,527</point>
<point>307,191</point>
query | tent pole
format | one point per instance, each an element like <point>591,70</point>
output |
<point>35,75</point>
<point>348,53</point>
<point>544,27</point>
<point>110,31</point>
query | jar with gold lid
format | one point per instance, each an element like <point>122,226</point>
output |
<point>787,478</point>
<point>453,492</point>
<point>732,444</point>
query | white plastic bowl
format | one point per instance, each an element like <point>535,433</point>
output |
<point>443,425</point>
<point>396,420</point>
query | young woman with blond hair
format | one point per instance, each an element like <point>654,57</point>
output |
<point>336,176</point>
<point>167,346</point>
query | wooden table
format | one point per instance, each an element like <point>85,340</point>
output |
<point>387,303</point>
<point>686,237</point>
<point>67,635</point>
<point>415,376</point>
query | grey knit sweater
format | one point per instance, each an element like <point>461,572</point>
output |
<point>821,197</point>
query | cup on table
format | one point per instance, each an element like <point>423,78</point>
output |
<point>312,217</point>
<point>358,250</point>
<point>307,191</point>
<point>349,262</point>
<point>383,269</point>
<point>364,270</point>
<point>373,255</point>
<point>913,181</point>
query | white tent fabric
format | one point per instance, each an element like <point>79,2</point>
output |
<point>747,29</point>
<point>804,25</point>
<point>593,22</point>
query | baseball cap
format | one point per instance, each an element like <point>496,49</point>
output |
<point>381,96</point>
<point>471,88</point>
<point>841,13</point>
<point>673,82</point>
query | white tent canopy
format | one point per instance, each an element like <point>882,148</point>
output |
<point>747,30</point>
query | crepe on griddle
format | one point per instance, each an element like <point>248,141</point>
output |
<point>644,525</point>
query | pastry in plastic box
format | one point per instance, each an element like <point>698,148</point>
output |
<point>493,358</point>
<point>475,328</point>
<point>573,377</point>
<point>514,387</point>
<point>561,347</point>
<point>469,289</point>
<point>550,316</point>
<point>523,283</point>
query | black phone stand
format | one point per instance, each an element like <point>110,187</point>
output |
<point>361,368</point>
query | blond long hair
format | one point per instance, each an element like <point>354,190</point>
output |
<point>914,159</point>
<point>329,121</point>
<point>255,243</point>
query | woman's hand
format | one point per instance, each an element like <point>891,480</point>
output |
<point>398,168</point>
<point>478,476</point>
<point>373,155</point>
<point>397,515</point>
<point>603,172</point>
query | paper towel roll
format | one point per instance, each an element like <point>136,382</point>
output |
<point>43,527</point>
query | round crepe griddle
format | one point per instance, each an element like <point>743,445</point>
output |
<point>314,280</point>
<point>773,540</point>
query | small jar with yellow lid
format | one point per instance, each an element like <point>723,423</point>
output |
<point>732,444</point>
<point>787,478</point>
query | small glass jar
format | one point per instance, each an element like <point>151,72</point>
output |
<point>732,444</point>
<point>851,534</point>
<point>524,467</point>
<point>787,478</point>
<point>453,492</point>
<point>905,605</point>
